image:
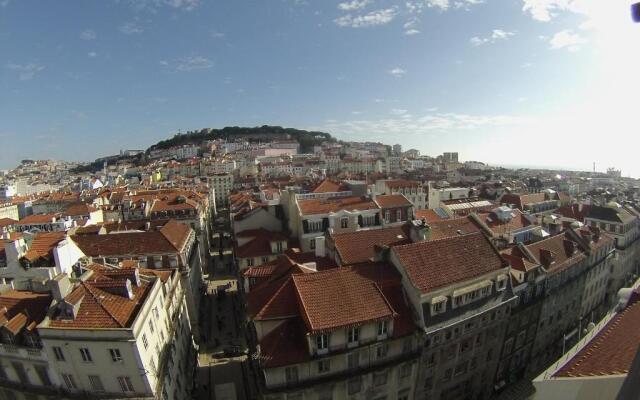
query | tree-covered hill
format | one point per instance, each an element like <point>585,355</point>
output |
<point>307,139</point>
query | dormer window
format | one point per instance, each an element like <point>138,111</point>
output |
<point>344,222</point>
<point>353,336</point>
<point>501,282</point>
<point>382,329</point>
<point>322,343</point>
<point>438,305</point>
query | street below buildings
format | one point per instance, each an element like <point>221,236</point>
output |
<point>222,357</point>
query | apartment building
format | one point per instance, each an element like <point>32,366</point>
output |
<point>317,339</point>
<point>116,333</point>
<point>173,246</point>
<point>623,224</point>
<point>258,246</point>
<point>564,260</point>
<point>460,288</point>
<point>396,209</point>
<point>31,260</point>
<point>44,223</point>
<point>23,362</point>
<point>412,190</point>
<point>315,216</point>
<point>222,185</point>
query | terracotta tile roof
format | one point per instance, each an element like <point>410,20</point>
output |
<point>285,345</point>
<point>275,298</point>
<point>339,298</point>
<point>329,186</point>
<point>521,200</point>
<point>78,209</point>
<point>169,239</point>
<point>4,222</point>
<point>392,201</point>
<point>557,253</point>
<point>428,215</point>
<point>43,244</point>
<point>21,308</point>
<point>437,263</point>
<point>358,247</point>
<point>102,307</point>
<point>518,221</point>
<point>37,219</point>
<point>612,350</point>
<point>325,206</point>
<point>260,243</point>
<point>452,227</point>
<point>575,211</point>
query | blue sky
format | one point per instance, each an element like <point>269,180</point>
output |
<point>530,82</point>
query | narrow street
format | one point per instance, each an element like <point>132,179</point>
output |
<point>222,356</point>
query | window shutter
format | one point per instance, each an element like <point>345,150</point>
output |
<point>377,219</point>
<point>305,226</point>
<point>360,220</point>
<point>325,224</point>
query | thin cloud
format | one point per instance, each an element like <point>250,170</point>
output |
<point>353,5</point>
<point>545,10</point>
<point>26,72</point>
<point>496,35</point>
<point>88,35</point>
<point>152,5</point>
<point>216,35</point>
<point>130,29</point>
<point>431,123</point>
<point>374,18</point>
<point>397,72</point>
<point>92,54</point>
<point>188,64</point>
<point>566,39</point>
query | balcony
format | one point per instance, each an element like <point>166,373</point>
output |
<point>25,353</point>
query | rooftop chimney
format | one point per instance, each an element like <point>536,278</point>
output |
<point>60,286</point>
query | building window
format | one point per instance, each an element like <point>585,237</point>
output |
<point>438,305</point>
<point>86,355</point>
<point>405,370</point>
<point>324,366</point>
<point>399,215</point>
<point>354,386</point>
<point>407,345</point>
<point>382,350</point>
<point>322,341</point>
<point>57,352</point>
<point>312,244</point>
<point>382,328</point>
<point>353,335</point>
<point>447,375</point>
<point>115,355</point>
<point>344,223</point>
<point>279,247</point>
<point>96,383</point>
<point>43,374</point>
<point>380,378</point>
<point>249,262</point>
<point>353,360</point>
<point>125,384</point>
<point>291,374</point>
<point>501,283</point>
<point>461,368</point>
<point>387,216</point>
<point>69,381</point>
<point>151,326</point>
<point>144,341</point>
